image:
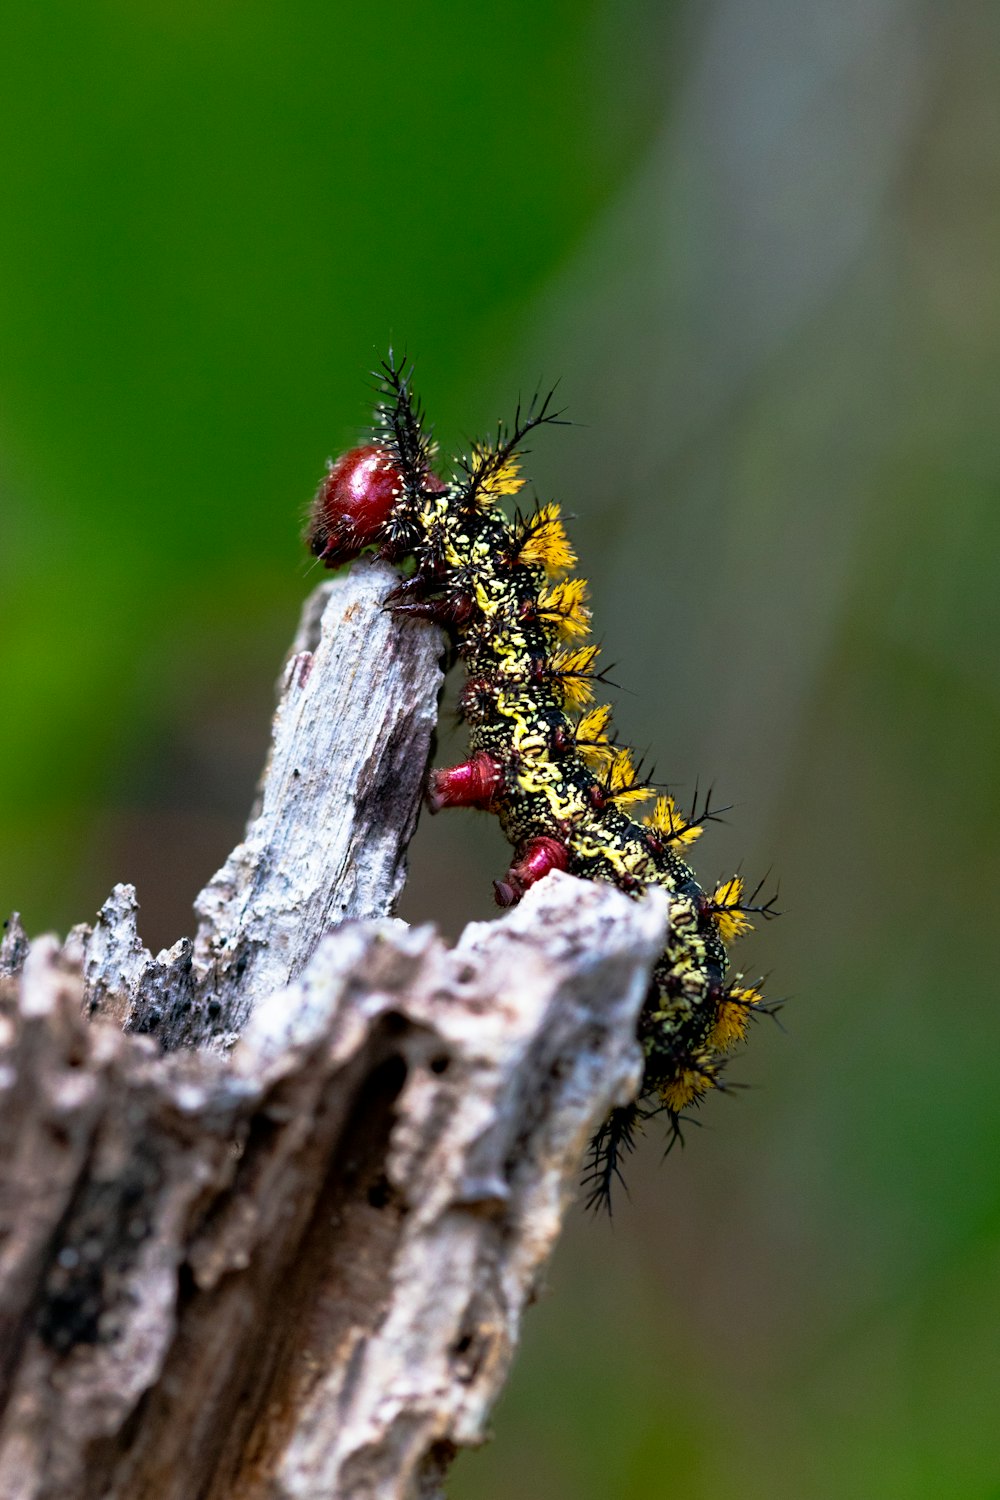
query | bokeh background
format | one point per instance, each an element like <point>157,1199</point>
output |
<point>758,240</point>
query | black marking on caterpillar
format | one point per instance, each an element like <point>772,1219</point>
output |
<point>543,755</point>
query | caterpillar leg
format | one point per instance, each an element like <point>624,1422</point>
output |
<point>536,858</point>
<point>472,783</point>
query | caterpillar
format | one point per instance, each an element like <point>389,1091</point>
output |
<point>543,756</point>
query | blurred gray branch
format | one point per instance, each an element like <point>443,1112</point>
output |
<point>272,1201</point>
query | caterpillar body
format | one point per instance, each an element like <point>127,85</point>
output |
<point>543,756</point>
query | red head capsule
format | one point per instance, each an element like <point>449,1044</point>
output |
<point>353,504</point>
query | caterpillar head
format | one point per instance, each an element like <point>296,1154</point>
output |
<point>353,504</point>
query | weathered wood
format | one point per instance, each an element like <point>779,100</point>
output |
<point>291,1260</point>
<point>336,808</point>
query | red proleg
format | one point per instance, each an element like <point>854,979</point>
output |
<point>537,858</point>
<point>473,783</point>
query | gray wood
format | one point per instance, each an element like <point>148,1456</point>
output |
<point>273,1201</point>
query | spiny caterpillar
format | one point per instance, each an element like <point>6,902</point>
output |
<point>543,756</point>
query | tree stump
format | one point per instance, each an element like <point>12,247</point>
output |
<point>273,1201</point>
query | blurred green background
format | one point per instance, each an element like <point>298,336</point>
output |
<point>758,240</point>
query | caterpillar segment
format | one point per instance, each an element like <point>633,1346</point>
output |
<point>543,755</point>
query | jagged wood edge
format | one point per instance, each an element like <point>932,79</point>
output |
<point>299,1271</point>
<point>327,838</point>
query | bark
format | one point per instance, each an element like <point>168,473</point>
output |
<point>273,1201</point>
